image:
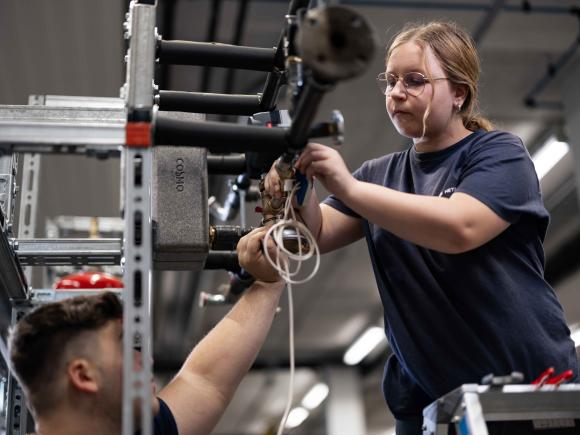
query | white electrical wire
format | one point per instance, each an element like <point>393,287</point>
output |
<point>290,397</point>
<point>284,257</point>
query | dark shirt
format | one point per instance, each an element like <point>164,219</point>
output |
<point>163,422</point>
<point>451,319</point>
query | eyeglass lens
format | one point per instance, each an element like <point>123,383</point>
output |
<point>413,82</point>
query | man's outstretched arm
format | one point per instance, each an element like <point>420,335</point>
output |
<point>204,386</point>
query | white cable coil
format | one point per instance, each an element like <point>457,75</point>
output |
<point>284,258</point>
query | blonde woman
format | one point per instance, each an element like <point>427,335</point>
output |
<point>454,226</point>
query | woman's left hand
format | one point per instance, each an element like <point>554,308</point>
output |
<point>327,166</point>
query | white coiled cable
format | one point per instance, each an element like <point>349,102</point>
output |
<point>285,258</point>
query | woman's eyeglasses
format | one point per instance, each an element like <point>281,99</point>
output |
<point>414,82</point>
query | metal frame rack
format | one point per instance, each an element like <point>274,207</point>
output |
<point>129,128</point>
<point>470,406</point>
<point>91,126</point>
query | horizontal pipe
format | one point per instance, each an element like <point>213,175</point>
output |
<point>200,102</point>
<point>226,260</point>
<point>226,237</point>
<point>219,137</point>
<point>226,165</point>
<point>218,55</point>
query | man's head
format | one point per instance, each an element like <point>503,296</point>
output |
<point>68,351</point>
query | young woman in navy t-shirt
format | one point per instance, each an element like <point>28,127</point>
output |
<point>454,227</point>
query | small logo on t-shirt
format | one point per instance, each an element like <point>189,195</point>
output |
<point>447,192</point>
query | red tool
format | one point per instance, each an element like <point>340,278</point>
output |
<point>561,378</point>
<point>543,377</point>
<point>88,280</point>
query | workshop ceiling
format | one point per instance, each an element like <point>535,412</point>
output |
<point>75,47</point>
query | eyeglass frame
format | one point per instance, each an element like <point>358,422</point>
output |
<point>388,91</point>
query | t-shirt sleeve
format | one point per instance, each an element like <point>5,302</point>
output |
<point>334,202</point>
<point>501,174</point>
<point>164,422</point>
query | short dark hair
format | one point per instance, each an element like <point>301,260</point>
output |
<point>39,341</point>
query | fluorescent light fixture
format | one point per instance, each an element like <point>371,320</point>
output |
<point>576,337</point>
<point>296,417</point>
<point>549,155</point>
<point>363,345</point>
<point>315,396</point>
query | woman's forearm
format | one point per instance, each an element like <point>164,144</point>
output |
<point>310,215</point>
<point>443,224</point>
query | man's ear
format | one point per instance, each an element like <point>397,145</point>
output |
<point>83,375</point>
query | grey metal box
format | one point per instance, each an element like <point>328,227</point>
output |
<point>180,207</point>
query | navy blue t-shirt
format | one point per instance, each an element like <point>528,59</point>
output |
<point>451,319</point>
<point>163,422</point>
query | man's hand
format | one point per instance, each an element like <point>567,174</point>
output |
<point>252,258</point>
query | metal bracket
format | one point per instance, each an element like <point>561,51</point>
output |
<point>17,412</point>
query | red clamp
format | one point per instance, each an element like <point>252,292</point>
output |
<point>546,378</point>
<point>561,378</point>
<point>543,377</point>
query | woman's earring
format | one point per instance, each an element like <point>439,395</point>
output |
<point>457,107</point>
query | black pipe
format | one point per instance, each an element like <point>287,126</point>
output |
<point>214,54</point>
<point>168,17</point>
<point>276,77</point>
<point>226,165</point>
<point>211,37</point>
<point>223,260</point>
<point>199,102</point>
<point>297,4</point>
<point>230,78</point>
<point>218,137</point>
<point>305,111</point>
<point>270,91</point>
<point>226,237</point>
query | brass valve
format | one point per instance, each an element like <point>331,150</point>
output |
<point>273,207</point>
